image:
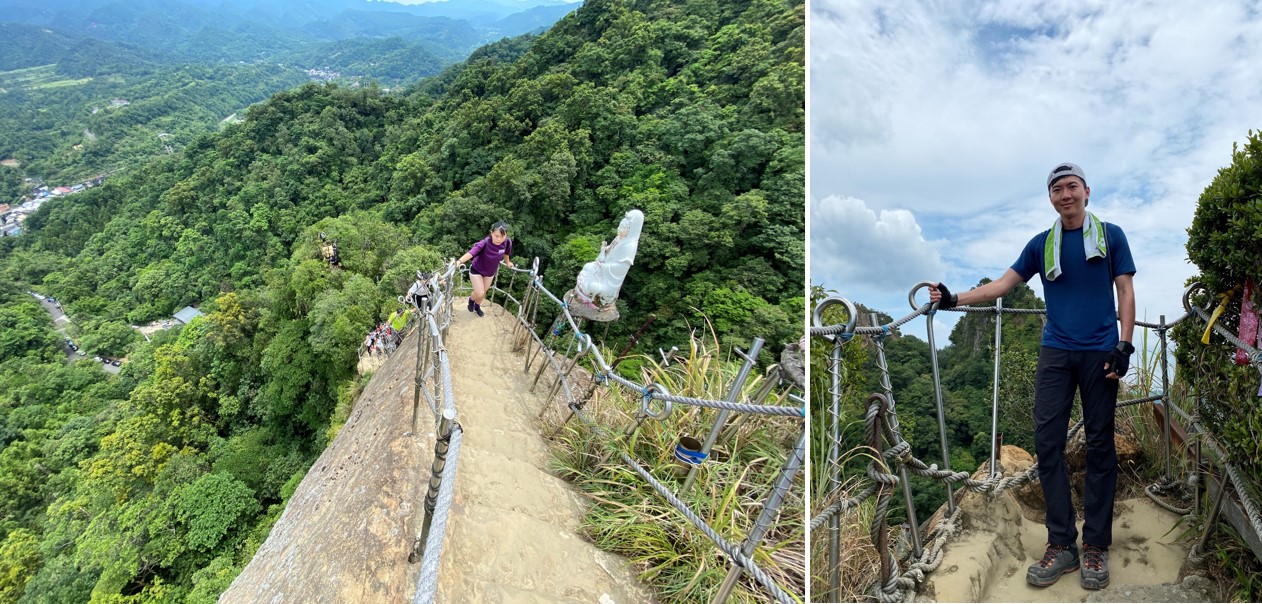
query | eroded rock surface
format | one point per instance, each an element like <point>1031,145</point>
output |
<point>512,534</point>
<point>988,560</point>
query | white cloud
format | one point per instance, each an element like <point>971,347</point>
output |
<point>855,250</point>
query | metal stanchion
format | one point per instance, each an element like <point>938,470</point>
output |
<point>937,389</point>
<point>732,397</point>
<point>445,426</point>
<point>1165,398</point>
<point>834,433</point>
<point>834,469</point>
<point>994,409</point>
<point>766,517</point>
<point>892,419</point>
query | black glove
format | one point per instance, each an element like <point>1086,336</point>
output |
<point>948,300</point>
<point>1120,359</point>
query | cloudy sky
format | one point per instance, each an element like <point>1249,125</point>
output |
<point>934,125</point>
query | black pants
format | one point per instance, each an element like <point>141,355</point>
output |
<point>1060,373</point>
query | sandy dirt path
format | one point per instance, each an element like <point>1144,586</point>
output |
<point>987,562</point>
<point>512,535</point>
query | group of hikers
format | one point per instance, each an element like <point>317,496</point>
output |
<point>484,260</point>
<point>386,337</point>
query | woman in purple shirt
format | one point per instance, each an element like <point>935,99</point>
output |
<point>486,256</point>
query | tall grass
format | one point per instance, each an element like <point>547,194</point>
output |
<point>859,564</point>
<point>1139,422</point>
<point>630,518</point>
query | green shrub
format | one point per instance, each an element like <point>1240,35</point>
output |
<point>1225,242</point>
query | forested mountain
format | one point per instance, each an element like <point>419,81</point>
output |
<point>253,29</point>
<point>65,122</point>
<point>23,46</point>
<point>392,61</point>
<point>63,65</point>
<point>160,483</point>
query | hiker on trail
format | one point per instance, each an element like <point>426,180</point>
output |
<point>419,293</point>
<point>1081,261</point>
<point>486,256</point>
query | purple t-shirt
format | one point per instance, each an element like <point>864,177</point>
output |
<point>487,255</point>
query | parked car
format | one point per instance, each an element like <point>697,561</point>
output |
<point>73,347</point>
<point>97,359</point>
<point>57,304</point>
<point>116,363</point>
<point>79,352</point>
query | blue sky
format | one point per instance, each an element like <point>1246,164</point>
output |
<point>471,1</point>
<point>934,125</point>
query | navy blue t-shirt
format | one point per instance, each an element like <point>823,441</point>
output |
<point>1081,314</point>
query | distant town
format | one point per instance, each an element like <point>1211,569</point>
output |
<point>12,216</point>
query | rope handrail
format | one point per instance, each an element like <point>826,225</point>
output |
<point>896,587</point>
<point>781,410</point>
<point>850,329</point>
<point>605,370</point>
<point>429,544</point>
<point>447,450</point>
<point>1251,508</point>
<point>1255,356</point>
<point>427,582</point>
<point>743,560</point>
<point>604,373</point>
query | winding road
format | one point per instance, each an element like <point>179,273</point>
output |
<point>60,321</point>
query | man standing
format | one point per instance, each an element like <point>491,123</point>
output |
<point>1081,260</point>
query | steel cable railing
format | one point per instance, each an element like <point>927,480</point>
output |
<point>895,586</point>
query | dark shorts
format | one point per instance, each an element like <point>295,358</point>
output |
<point>474,271</point>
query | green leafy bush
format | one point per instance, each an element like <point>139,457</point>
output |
<point>1225,243</point>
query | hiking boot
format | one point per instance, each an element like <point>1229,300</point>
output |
<point>477,308</point>
<point>472,305</point>
<point>1058,560</point>
<point>1095,567</point>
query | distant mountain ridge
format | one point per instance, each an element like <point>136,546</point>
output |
<point>252,30</point>
<point>23,46</point>
<point>62,60</point>
<point>297,14</point>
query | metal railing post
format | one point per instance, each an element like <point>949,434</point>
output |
<point>732,396</point>
<point>445,425</point>
<point>834,471</point>
<point>892,419</point>
<point>937,391</point>
<point>422,352</point>
<point>1165,398</point>
<point>765,518</point>
<point>994,409</point>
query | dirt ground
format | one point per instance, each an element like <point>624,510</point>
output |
<point>988,561</point>
<point>514,538</point>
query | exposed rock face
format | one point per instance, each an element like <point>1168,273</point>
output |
<point>987,561</point>
<point>1193,588</point>
<point>1128,451</point>
<point>1031,495</point>
<point>347,531</point>
<point>512,531</point>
